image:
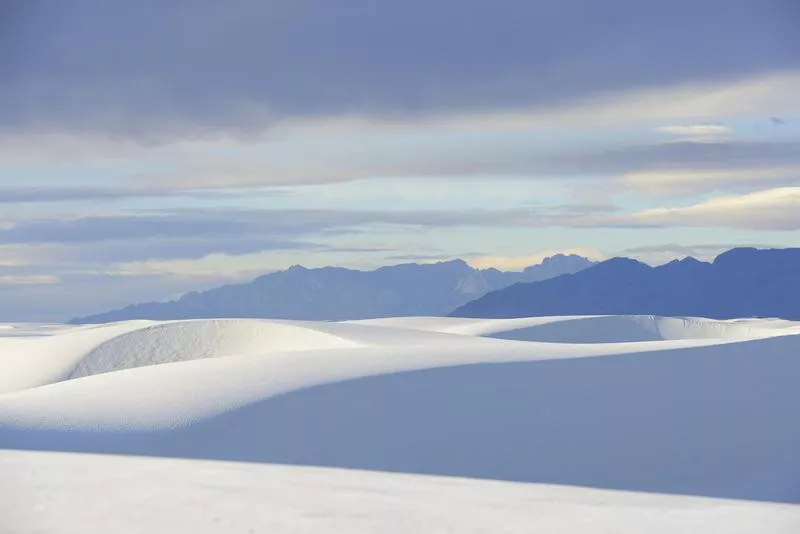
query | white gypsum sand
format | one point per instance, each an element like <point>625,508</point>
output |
<point>670,405</point>
<point>79,493</point>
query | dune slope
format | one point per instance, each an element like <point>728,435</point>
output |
<point>50,493</point>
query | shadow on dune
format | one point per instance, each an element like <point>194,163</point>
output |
<point>629,328</point>
<point>612,329</point>
<point>718,421</point>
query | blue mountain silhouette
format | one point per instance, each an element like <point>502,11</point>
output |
<point>334,293</point>
<point>742,282</point>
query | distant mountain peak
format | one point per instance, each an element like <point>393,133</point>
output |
<point>567,263</point>
<point>560,255</point>
<point>684,263</point>
<point>744,282</point>
<point>336,293</point>
<point>689,259</point>
<point>455,261</point>
<point>623,264</point>
<point>740,253</point>
<point>619,260</point>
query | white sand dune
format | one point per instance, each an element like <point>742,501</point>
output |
<point>596,329</point>
<point>37,355</point>
<point>75,494</point>
<point>706,408</point>
<point>263,359</point>
<point>194,340</point>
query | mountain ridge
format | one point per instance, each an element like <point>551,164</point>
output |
<point>741,282</point>
<point>337,293</point>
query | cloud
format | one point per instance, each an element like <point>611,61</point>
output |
<point>197,241</point>
<point>605,136</point>
<point>13,280</point>
<point>695,129</point>
<point>690,155</point>
<point>98,229</point>
<point>697,132</point>
<point>194,233</point>
<point>772,209</point>
<point>221,224</point>
<point>521,158</point>
<point>347,146</point>
<point>690,182</point>
<point>213,265</point>
<point>23,255</point>
<point>10,195</point>
<point>340,159</point>
<point>164,249</point>
<point>208,66</point>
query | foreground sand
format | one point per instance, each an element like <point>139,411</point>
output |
<point>77,493</point>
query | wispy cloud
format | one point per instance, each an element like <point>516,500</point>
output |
<point>68,194</point>
<point>697,133</point>
<point>226,224</point>
<point>695,129</point>
<point>691,182</point>
<point>773,209</point>
<point>196,233</point>
<point>21,279</point>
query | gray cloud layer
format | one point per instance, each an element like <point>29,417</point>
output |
<point>226,224</point>
<point>686,154</point>
<point>738,156</point>
<point>148,67</point>
<point>193,233</point>
<point>10,195</point>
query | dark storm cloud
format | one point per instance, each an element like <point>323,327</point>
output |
<point>156,68</point>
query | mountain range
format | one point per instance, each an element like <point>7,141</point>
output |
<point>334,293</point>
<point>742,282</point>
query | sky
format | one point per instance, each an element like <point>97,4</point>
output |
<point>151,148</point>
